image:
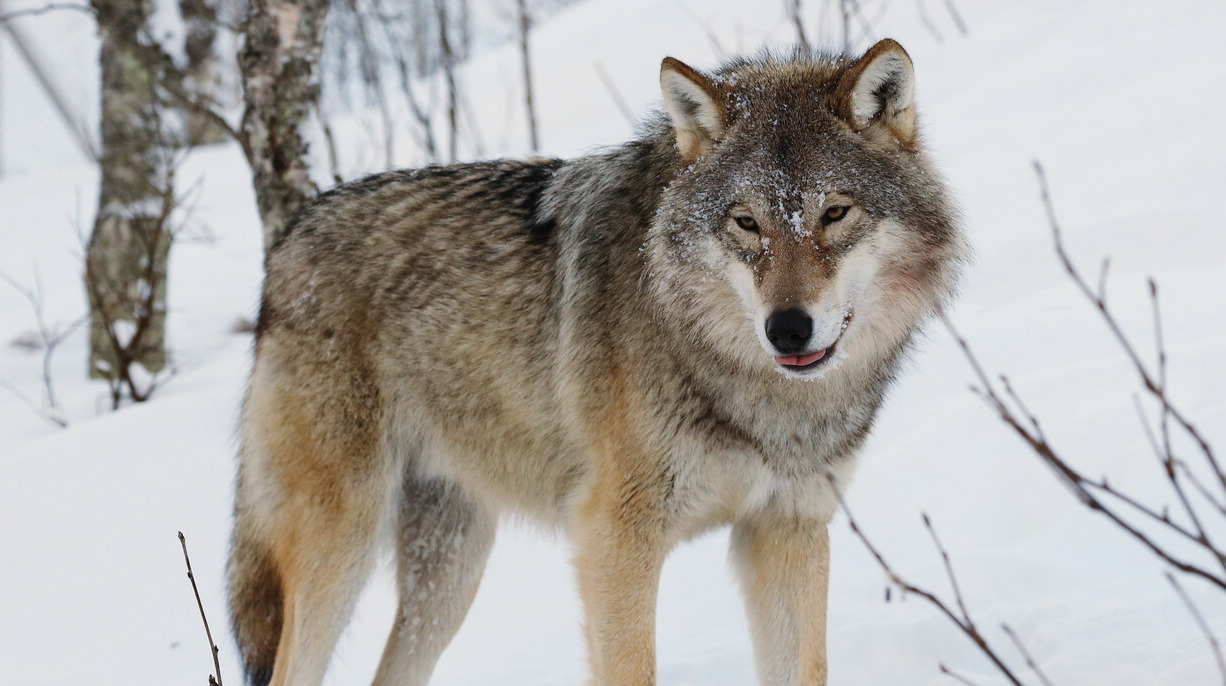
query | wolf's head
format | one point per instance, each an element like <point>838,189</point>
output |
<point>807,225</point>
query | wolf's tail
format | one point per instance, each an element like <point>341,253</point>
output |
<point>256,604</point>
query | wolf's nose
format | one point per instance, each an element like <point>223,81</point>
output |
<point>789,331</point>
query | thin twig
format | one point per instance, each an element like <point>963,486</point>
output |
<point>965,623</point>
<point>205,110</point>
<point>955,676</point>
<point>1161,518</point>
<point>1077,483</point>
<point>953,12</point>
<point>1200,487</point>
<point>927,22</point>
<point>53,420</point>
<point>1151,385</point>
<point>50,7</point>
<point>1088,491</point>
<point>207,632</point>
<point>792,7</point>
<point>1021,648</point>
<point>1102,279</point>
<point>1017,400</point>
<point>720,52</point>
<point>866,26</point>
<point>50,337</point>
<point>613,92</point>
<point>1169,462</point>
<point>949,570</point>
<point>1179,465</point>
<point>1200,621</point>
<point>330,144</point>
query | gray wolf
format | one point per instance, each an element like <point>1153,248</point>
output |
<point>692,330</point>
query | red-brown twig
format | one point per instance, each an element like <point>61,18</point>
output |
<point>213,680</point>
<point>1098,495</point>
<point>1021,648</point>
<point>955,676</point>
<point>1200,622</point>
<point>962,619</point>
<point>1152,385</point>
<point>1089,491</point>
<point>1082,487</point>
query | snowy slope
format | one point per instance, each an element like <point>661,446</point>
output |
<point>1119,99</point>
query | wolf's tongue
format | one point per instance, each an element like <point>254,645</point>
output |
<point>800,360</point>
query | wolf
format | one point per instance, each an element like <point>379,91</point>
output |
<point>692,330</point>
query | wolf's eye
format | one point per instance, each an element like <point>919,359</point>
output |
<point>747,223</point>
<point>833,214</point>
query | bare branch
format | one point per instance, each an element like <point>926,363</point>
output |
<point>964,623</point>
<point>1102,279</point>
<point>955,676</point>
<point>330,144</point>
<point>613,92</point>
<point>1076,482</point>
<point>949,570</point>
<point>525,27</point>
<point>1151,385</point>
<point>1089,491</point>
<point>866,27</point>
<point>208,633</point>
<point>49,7</point>
<point>1017,400</point>
<point>183,99</point>
<point>1200,621</point>
<point>53,420</point>
<point>50,336</point>
<point>792,7</point>
<point>953,12</point>
<point>1021,648</point>
<point>712,38</point>
<point>1161,518</point>
<point>927,22</point>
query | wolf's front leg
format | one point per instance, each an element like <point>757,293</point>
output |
<point>618,534</point>
<point>784,568</point>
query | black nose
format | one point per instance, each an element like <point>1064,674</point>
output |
<point>789,331</point>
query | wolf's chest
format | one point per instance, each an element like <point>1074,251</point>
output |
<point>722,474</point>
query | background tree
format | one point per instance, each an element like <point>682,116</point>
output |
<point>525,25</point>
<point>202,72</point>
<point>129,247</point>
<point>279,64</point>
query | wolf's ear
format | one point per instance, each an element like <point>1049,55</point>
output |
<point>694,107</point>
<point>880,88</point>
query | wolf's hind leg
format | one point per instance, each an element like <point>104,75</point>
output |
<point>443,540</point>
<point>293,588</point>
<point>314,489</point>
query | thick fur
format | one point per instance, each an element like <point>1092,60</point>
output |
<point>582,342</point>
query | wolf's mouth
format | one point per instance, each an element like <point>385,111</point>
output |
<point>802,363</point>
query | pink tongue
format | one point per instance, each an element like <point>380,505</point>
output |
<point>800,360</point>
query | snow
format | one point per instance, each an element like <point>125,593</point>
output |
<point>1117,98</point>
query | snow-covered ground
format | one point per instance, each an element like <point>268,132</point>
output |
<point>1121,101</point>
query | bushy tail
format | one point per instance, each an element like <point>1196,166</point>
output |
<point>256,605</point>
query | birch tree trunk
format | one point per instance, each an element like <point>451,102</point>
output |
<point>202,73</point>
<point>125,261</point>
<point>279,62</point>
